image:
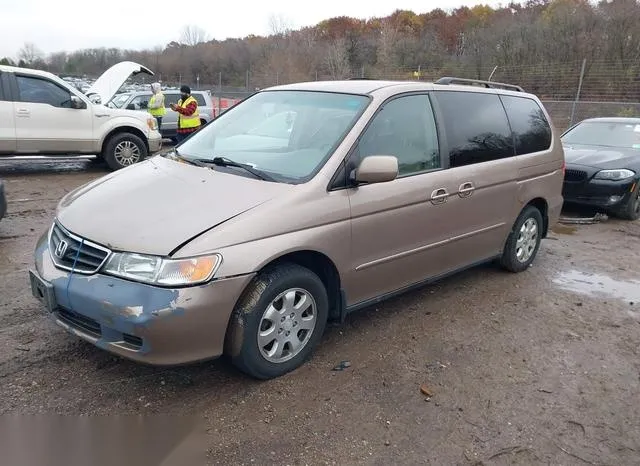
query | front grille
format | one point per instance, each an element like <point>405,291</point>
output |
<point>80,322</point>
<point>575,176</point>
<point>70,252</point>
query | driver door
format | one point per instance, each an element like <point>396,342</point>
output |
<point>46,123</point>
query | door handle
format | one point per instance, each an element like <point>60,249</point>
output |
<point>23,112</point>
<point>439,196</point>
<point>466,189</point>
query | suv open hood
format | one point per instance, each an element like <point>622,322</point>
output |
<point>112,80</point>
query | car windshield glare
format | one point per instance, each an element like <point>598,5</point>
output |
<point>606,134</point>
<point>286,134</point>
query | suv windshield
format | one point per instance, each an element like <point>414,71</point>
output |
<point>286,134</point>
<point>607,134</point>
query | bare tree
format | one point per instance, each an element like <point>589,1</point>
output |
<point>193,35</point>
<point>29,53</point>
<point>338,59</point>
<point>279,25</point>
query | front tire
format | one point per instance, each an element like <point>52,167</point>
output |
<point>277,322</point>
<point>631,210</point>
<point>523,241</point>
<point>123,150</point>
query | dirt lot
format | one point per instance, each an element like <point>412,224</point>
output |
<point>537,368</point>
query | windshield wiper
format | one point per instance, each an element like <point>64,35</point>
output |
<point>195,162</point>
<point>225,162</point>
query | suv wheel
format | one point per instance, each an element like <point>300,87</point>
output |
<point>123,150</point>
<point>631,210</point>
<point>523,241</point>
<point>277,322</point>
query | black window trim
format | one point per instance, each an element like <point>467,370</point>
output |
<point>441,114</point>
<point>18,97</point>
<point>339,181</point>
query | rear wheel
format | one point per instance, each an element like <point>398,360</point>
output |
<point>277,322</point>
<point>123,150</point>
<point>631,210</point>
<point>524,241</point>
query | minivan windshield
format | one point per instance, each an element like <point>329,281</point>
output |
<point>606,134</point>
<point>288,135</point>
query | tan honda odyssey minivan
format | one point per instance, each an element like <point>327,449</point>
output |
<point>297,206</point>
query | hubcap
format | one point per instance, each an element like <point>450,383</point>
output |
<point>527,240</point>
<point>287,325</point>
<point>127,153</point>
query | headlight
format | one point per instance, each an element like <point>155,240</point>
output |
<point>165,272</point>
<point>152,123</point>
<point>614,175</point>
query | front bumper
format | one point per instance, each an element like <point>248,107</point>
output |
<point>155,142</point>
<point>148,324</point>
<point>581,188</point>
<point>3,201</point>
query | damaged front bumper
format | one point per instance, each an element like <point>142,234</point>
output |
<point>149,324</point>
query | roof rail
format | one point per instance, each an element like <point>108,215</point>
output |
<point>472,82</point>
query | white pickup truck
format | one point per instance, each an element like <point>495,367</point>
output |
<point>41,114</point>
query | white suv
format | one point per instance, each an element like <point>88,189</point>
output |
<point>41,114</point>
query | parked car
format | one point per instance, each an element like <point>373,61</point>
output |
<point>3,201</point>
<point>43,114</point>
<point>603,165</point>
<point>140,100</point>
<point>247,246</point>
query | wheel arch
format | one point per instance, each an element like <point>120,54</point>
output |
<point>123,129</point>
<point>542,205</point>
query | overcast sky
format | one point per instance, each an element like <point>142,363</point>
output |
<point>56,25</point>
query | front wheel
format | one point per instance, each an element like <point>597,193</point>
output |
<point>524,241</point>
<point>277,322</point>
<point>123,150</point>
<point>631,210</point>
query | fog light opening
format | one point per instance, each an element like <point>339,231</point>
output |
<point>614,199</point>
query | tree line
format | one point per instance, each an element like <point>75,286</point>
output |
<point>543,35</point>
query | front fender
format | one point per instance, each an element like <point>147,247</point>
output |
<point>124,122</point>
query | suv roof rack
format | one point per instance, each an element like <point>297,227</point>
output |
<point>472,82</point>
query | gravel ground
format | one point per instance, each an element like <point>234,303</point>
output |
<point>536,368</point>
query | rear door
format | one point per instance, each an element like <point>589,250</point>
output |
<point>482,174</point>
<point>45,121</point>
<point>7,120</point>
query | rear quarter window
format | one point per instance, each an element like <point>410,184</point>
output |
<point>531,130</point>
<point>475,126</point>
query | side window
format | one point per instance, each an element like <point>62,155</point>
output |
<point>404,127</point>
<point>476,127</point>
<point>171,99</point>
<point>42,91</point>
<point>200,99</point>
<point>530,127</point>
<point>140,102</point>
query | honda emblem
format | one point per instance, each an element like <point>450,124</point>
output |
<point>61,249</point>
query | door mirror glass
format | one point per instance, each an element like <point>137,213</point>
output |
<point>77,102</point>
<point>376,169</point>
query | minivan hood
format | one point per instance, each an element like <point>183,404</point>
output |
<point>155,206</point>
<point>600,157</point>
<point>112,80</point>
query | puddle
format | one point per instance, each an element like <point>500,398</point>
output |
<point>561,229</point>
<point>600,285</point>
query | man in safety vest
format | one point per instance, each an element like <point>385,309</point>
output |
<point>188,115</point>
<point>156,104</point>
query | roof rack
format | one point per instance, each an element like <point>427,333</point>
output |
<point>476,82</point>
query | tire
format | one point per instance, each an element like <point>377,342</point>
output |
<point>123,150</point>
<point>516,258</point>
<point>262,299</point>
<point>631,210</point>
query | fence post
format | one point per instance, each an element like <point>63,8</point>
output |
<point>575,102</point>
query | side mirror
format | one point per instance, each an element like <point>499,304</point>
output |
<point>78,103</point>
<point>376,169</point>
<point>95,98</point>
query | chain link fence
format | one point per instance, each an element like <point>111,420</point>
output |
<point>571,92</point>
